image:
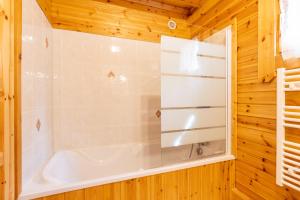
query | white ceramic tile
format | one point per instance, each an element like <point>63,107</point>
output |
<point>100,109</point>
<point>36,90</point>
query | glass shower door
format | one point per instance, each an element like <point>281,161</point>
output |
<point>193,99</point>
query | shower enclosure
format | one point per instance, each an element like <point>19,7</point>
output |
<point>195,97</point>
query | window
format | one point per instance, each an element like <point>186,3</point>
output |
<point>290,28</point>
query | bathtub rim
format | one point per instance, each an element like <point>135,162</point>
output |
<point>124,177</point>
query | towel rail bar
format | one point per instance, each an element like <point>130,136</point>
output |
<point>288,152</point>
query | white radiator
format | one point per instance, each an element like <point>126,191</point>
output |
<point>288,152</point>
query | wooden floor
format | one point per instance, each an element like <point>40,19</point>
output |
<point>205,182</point>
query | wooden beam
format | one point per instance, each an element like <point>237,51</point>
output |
<point>266,38</point>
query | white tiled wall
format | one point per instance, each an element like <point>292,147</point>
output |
<point>106,90</point>
<point>36,89</point>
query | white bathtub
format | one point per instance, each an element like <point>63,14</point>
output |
<point>86,164</point>
<point>75,169</point>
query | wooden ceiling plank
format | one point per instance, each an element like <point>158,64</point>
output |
<point>183,3</point>
<point>165,6</point>
<point>94,7</point>
<point>221,9</point>
<point>124,22</point>
<point>112,30</point>
<point>102,13</point>
<point>113,20</point>
<point>205,7</point>
<point>116,27</point>
<point>108,30</point>
<point>151,6</point>
<point>222,18</point>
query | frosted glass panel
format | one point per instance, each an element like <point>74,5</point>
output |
<point>192,46</point>
<point>193,92</point>
<point>174,63</point>
<point>192,118</point>
<point>178,91</point>
<point>179,138</point>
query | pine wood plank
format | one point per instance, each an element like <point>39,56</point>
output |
<point>256,123</point>
<point>257,110</point>
<point>266,45</point>
<point>155,7</point>
<point>55,197</point>
<point>263,98</point>
<point>75,195</point>
<point>258,136</point>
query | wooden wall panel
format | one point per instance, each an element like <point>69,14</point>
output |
<point>10,48</point>
<point>266,40</point>
<point>256,133</point>
<point>204,182</point>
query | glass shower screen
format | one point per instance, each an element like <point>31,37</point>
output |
<point>194,95</point>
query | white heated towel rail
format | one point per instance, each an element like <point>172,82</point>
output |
<point>288,152</point>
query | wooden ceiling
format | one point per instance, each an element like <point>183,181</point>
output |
<point>134,19</point>
<point>171,8</point>
<point>183,9</point>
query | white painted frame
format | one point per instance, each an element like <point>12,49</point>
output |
<point>228,90</point>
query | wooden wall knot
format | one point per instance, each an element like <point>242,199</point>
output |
<point>268,78</point>
<point>10,97</point>
<point>2,13</point>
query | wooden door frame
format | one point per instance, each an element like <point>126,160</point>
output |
<point>10,98</point>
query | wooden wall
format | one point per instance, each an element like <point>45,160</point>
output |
<point>206,182</point>
<point>256,98</point>
<point>10,48</point>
